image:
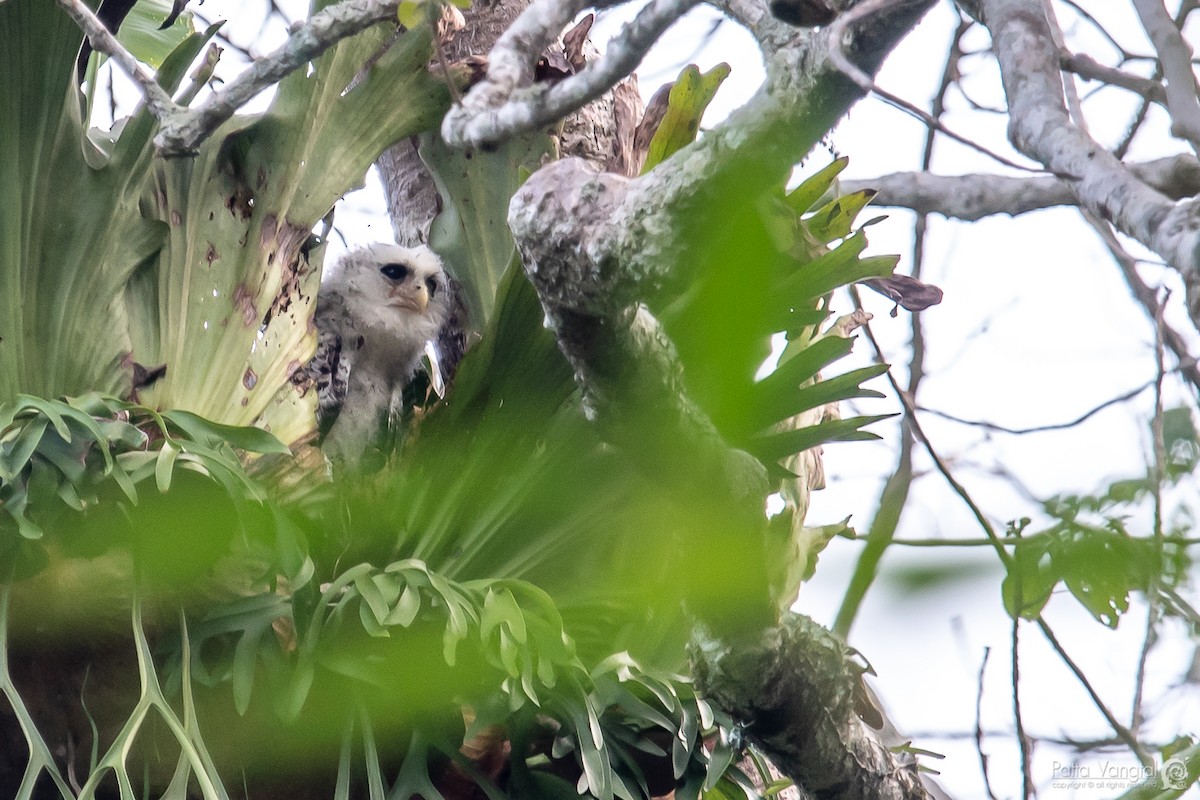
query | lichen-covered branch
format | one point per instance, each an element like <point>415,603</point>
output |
<point>795,691</point>
<point>1041,128</point>
<point>102,41</point>
<point>975,196</point>
<point>182,131</point>
<point>629,235</point>
<point>506,104</point>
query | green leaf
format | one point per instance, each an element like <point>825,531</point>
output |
<point>406,608</point>
<point>14,456</point>
<point>414,780</point>
<point>1030,579</point>
<point>500,608</point>
<point>142,35</point>
<point>848,385</point>
<point>245,661</point>
<point>372,597</point>
<point>813,188</point>
<point>772,447</point>
<point>410,13</point>
<point>688,99</point>
<point>471,231</point>
<point>835,219</point>
<point>164,466</point>
<point>250,439</point>
<point>803,364</point>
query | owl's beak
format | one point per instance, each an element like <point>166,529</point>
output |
<point>414,299</point>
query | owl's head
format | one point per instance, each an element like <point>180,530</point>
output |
<point>387,285</point>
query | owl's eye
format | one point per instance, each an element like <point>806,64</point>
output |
<point>432,285</point>
<point>394,272</point>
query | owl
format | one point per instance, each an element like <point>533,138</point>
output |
<point>379,310</point>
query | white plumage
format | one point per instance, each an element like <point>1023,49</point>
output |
<point>377,310</point>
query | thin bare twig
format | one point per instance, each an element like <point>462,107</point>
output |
<point>896,490</point>
<point>1056,426</point>
<point>1159,478</point>
<point>837,56</point>
<point>910,412</point>
<point>1090,69</point>
<point>1180,541</point>
<point>1022,739</point>
<point>983,759</point>
<point>1120,730</point>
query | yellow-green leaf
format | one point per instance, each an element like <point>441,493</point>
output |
<point>689,97</point>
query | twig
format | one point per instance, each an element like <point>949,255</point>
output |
<point>910,412</point>
<point>1180,541</point>
<point>1090,69</point>
<point>1022,740</point>
<point>1148,299</point>
<point>157,100</point>
<point>896,490</point>
<point>1126,55</point>
<point>1120,730</point>
<point>1159,478</point>
<point>983,759</point>
<point>975,196</point>
<point>1056,426</point>
<point>502,105</point>
<point>1041,129</point>
<point>837,56</point>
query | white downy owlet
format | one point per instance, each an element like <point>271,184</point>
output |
<point>379,310</point>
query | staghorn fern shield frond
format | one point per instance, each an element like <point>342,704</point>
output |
<point>115,262</point>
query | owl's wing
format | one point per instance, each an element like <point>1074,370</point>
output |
<point>452,338</point>
<point>329,369</point>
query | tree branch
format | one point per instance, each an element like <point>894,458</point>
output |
<point>975,196</point>
<point>795,691</point>
<point>1175,56</point>
<point>505,104</point>
<point>102,41</point>
<point>182,131</point>
<point>1090,69</point>
<point>1040,127</point>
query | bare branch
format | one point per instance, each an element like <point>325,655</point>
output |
<point>183,131</point>
<point>1090,69</point>
<point>1040,128</point>
<point>157,100</point>
<point>1175,56</point>
<point>504,104</point>
<point>975,196</point>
